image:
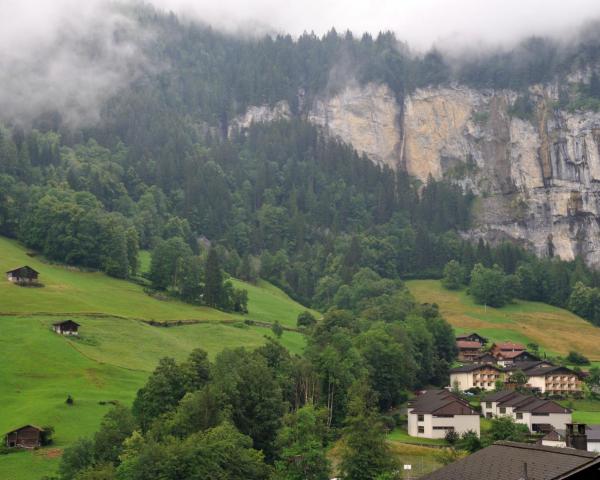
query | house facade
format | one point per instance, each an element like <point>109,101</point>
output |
<point>538,414</point>
<point>483,376</point>
<point>68,327</point>
<point>28,436</point>
<point>468,351</point>
<point>554,380</point>
<point>22,275</point>
<point>436,412</point>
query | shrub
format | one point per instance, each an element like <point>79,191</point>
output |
<point>577,358</point>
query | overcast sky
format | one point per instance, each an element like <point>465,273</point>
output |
<point>420,22</point>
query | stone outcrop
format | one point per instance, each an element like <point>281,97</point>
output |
<point>537,178</point>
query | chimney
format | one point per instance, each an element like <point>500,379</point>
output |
<point>525,476</point>
<point>576,436</point>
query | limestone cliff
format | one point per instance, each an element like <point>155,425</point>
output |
<point>537,178</point>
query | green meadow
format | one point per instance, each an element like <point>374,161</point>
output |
<point>115,354</point>
<point>555,330</point>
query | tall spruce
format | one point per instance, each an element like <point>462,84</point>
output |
<point>213,280</point>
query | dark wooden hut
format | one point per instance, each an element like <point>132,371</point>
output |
<point>28,436</point>
<point>23,275</point>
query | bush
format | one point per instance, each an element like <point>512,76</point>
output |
<point>577,358</point>
<point>306,319</point>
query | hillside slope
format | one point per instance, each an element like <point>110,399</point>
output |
<point>557,331</point>
<point>114,355</point>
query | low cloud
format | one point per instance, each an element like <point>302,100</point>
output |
<point>69,55</point>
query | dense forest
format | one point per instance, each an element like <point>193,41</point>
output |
<point>280,201</point>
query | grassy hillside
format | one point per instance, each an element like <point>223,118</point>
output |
<point>557,331</point>
<point>114,355</point>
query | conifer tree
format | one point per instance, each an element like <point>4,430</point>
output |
<point>213,280</point>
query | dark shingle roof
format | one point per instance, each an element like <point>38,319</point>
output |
<point>538,371</point>
<point>474,366</point>
<point>499,396</point>
<point>441,402</point>
<point>468,344</point>
<point>505,461</point>
<point>524,403</point>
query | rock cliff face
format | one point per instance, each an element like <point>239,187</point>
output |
<point>537,178</point>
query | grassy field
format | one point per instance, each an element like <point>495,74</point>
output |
<point>401,435</point>
<point>114,355</point>
<point>557,331</point>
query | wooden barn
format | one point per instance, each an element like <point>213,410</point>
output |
<point>67,327</point>
<point>28,436</point>
<point>23,275</point>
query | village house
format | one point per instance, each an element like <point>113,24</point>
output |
<point>472,337</point>
<point>485,357</point>
<point>558,438</point>
<point>505,352</point>
<point>548,378</point>
<point>28,436</point>
<point>23,275</point>
<point>522,461</point>
<point>436,412</point>
<point>479,375</point>
<point>469,346</point>
<point>468,351</point>
<point>67,327</point>
<point>540,415</point>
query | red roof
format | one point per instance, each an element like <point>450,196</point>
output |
<point>510,355</point>
<point>468,344</point>
<point>508,346</point>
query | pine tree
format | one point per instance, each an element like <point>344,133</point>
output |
<point>366,455</point>
<point>213,280</point>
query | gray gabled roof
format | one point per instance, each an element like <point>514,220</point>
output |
<point>505,461</point>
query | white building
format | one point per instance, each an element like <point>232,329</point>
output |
<point>435,412</point>
<point>538,414</point>
<point>478,375</point>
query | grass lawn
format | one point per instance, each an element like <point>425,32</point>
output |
<point>115,354</point>
<point>557,331</point>
<point>401,435</point>
<point>584,411</point>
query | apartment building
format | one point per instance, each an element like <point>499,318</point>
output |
<point>540,415</point>
<point>480,375</point>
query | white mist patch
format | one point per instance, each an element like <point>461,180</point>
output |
<point>64,56</point>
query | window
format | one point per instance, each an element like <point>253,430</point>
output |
<point>488,404</point>
<point>443,428</point>
<point>502,409</point>
<point>421,418</point>
<point>421,430</point>
<point>488,415</point>
<point>541,414</point>
<point>519,416</point>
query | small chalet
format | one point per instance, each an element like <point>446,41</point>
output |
<point>472,337</point>
<point>469,346</point>
<point>28,436</point>
<point>468,351</point>
<point>485,357</point>
<point>68,327</point>
<point>23,275</point>
<point>506,351</point>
